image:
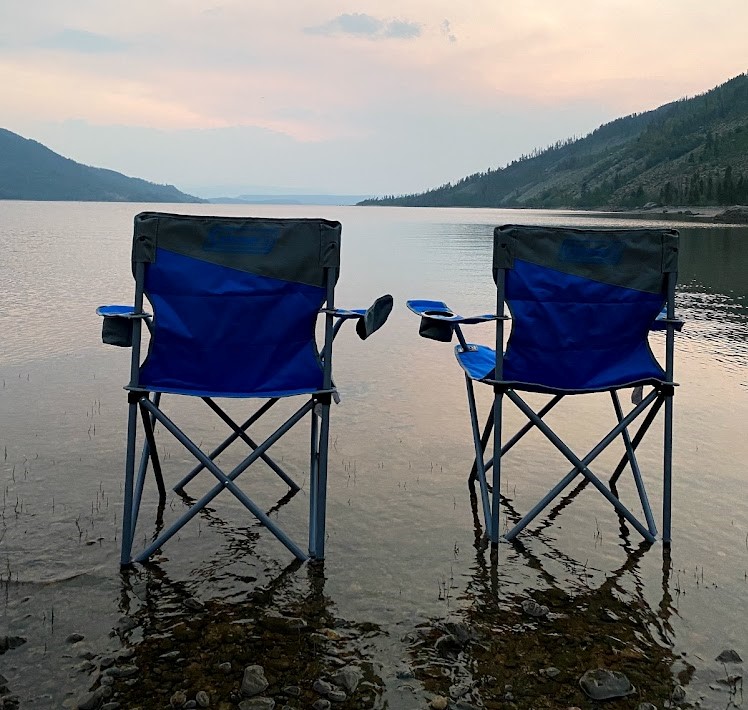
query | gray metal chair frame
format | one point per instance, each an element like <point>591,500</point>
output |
<point>438,322</point>
<point>123,327</point>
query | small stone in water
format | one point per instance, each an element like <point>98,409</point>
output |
<point>321,704</point>
<point>439,703</point>
<point>322,687</point>
<point>457,691</point>
<point>679,694</point>
<point>552,671</point>
<point>292,690</point>
<point>257,704</point>
<point>254,681</point>
<point>348,678</point>
<point>74,638</point>
<point>532,608</point>
<point>225,667</point>
<point>601,684</point>
<point>202,699</point>
<point>178,699</point>
<point>337,696</point>
<point>646,706</point>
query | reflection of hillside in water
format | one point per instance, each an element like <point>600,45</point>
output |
<point>713,291</point>
<point>715,260</point>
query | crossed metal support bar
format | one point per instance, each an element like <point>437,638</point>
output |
<point>582,466</point>
<point>651,404</point>
<point>225,480</point>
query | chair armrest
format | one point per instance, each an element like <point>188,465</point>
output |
<point>368,320</point>
<point>438,320</point>
<point>120,312</point>
<point>117,327</point>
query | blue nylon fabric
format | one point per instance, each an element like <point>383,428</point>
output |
<point>573,333</point>
<point>478,363</point>
<point>223,332</point>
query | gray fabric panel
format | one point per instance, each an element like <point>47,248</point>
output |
<point>144,238</point>
<point>631,258</point>
<point>670,252</point>
<point>295,250</point>
<point>330,244</point>
<point>503,250</point>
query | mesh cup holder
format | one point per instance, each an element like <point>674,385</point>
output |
<point>117,331</point>
<point>436,329</point>
<point>440,312</point>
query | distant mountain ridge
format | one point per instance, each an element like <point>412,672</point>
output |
<point>689,152</point>
<point>289,199</point>
<point>31,171</point>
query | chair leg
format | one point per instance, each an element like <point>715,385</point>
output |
<point>321,504</point>
<point>480,465</point>
<point>483,443</point>
<point>667,469</point>
<point>631,456</point>
<point>153,453</point>
<point>497,453</point>
<point>127,513</point>
<point>313,478</point>
<point>145,457</point>
<point>651,414</point>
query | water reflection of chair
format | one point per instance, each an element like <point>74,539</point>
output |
<point>582,304</point>
<point>235,305</point>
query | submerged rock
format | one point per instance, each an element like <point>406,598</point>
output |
<point>729,656</point>
<point>257,704</point>
<point>348,678</point>
<point>7,643</point>
<point>602,684</point>
<point>532,608</point>
<point>679,694</point>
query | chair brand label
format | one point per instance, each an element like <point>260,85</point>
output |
<point>590,251</point>
<point>242,239</point>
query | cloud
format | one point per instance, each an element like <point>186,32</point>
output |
<point>360,24</point>
<point>446,28</point>
<point>81,41</point>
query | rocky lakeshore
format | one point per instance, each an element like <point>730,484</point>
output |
<point>737,214</point>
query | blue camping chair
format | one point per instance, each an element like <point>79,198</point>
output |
<point>235,304</point>
<point>582,303</point>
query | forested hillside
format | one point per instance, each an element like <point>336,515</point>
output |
<point>31,171</point>
<point>690,152</point>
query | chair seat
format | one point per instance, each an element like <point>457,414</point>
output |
<point>228,395</point>
<point>479,362</point>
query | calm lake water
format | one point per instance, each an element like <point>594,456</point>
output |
<point>403,555</point>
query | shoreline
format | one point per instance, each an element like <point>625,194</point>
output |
<point>734,215</point>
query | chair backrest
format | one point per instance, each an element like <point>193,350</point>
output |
<point>582,302</point>
<point>235,301</point>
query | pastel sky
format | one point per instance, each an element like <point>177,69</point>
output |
<point>358,97</point>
